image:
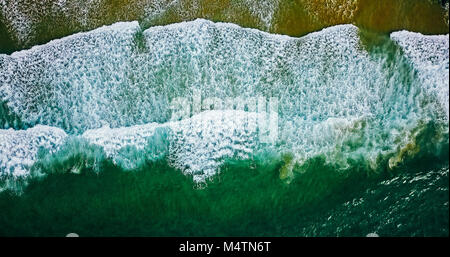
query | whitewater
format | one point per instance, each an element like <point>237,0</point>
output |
<point>107,93</point>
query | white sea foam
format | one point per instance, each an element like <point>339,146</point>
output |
<point>71,82</point>
<point>336,99</point>
<point>19,148</point>
<point>430,56</point>
<point>197,146</point>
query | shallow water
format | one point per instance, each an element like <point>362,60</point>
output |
<point>26,23</point>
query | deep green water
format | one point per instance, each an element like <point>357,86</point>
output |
<point>246,199</point>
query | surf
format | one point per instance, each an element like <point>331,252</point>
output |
<point>340,99</point>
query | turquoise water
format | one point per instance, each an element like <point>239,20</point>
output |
<point>211,129</point>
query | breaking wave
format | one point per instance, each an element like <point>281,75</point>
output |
<point>24,23</point>
<point>108,94</point>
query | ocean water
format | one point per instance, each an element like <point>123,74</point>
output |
<point>25,23</point>
<point>205,128</point>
